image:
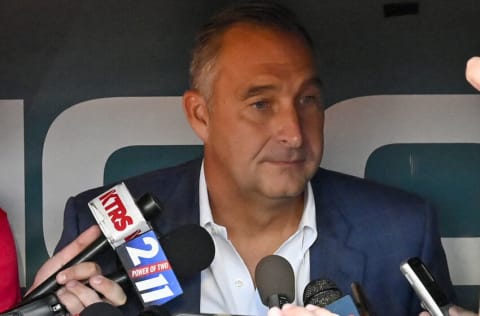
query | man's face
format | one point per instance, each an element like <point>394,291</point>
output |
<point>265,118</point>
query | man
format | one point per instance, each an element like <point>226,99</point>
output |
<point>256,103</point>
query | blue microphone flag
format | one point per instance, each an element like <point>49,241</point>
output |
<point>149,269</point>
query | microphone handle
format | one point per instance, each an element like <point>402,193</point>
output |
<point>120,277</point>
<point>48,305</point>
<point>51,285</point>
<point>277,300</point>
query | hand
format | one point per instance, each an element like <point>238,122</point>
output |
<point>458,311</point>
<point>75,296</point>
<point>472,73</point>
<point>454,311</point>
<point>293,310</point>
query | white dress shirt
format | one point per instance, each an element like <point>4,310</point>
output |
<point>226,286</point>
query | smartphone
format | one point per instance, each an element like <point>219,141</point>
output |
<point>431,296</point>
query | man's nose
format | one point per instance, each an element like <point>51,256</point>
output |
<point>288,127</point>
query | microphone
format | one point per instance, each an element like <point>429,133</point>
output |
<point>101,308</point>
<point>189,249</point>
<point>180,246</point>
<point>275,281</point>
<point>324,293</point>
<point>321,293</point>
<point>147,204</point>
<point>150,270</point>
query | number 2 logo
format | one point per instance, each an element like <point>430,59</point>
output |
<point>135,253</point>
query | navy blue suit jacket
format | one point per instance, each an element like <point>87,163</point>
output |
<point>364,229</point>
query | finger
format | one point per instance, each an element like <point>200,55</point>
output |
<point>472,72</point>
<point>81,271</point>
<point>85,294</point>
<point>111,291</point>
<point>309,310</point>
<point>458,311</point>
<point>318,311</point>
<point>70,300</point>
<point>56,262</point>
<point>274,311</point>
<point>424,314</point>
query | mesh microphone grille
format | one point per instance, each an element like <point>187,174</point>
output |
<point>321,293</point>
<point>189,250</point>
<point>274,275</point>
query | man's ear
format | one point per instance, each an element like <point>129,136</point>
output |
<point>196,110</point>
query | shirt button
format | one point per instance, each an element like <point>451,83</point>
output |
<point>238,283</point>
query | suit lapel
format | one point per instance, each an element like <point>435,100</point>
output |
<point>182,208</point>
<point>332,256</point>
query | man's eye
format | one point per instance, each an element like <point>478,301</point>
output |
<point>310,100</point>
<point>260,105</point>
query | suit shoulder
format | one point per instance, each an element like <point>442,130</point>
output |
<point>352,194</point>
<point>344,182</point>
<point>164,178</point>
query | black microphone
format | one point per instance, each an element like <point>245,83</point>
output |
<point>189,249</point>
<point>324,293</point>
<point>148,205</point>
<point>101,308</point>
<point>180,246</point>
<point>275,281</point>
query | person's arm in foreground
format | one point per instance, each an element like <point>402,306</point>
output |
<point>472,74</point>
<point>293,310</point>
<point>74,295</point>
